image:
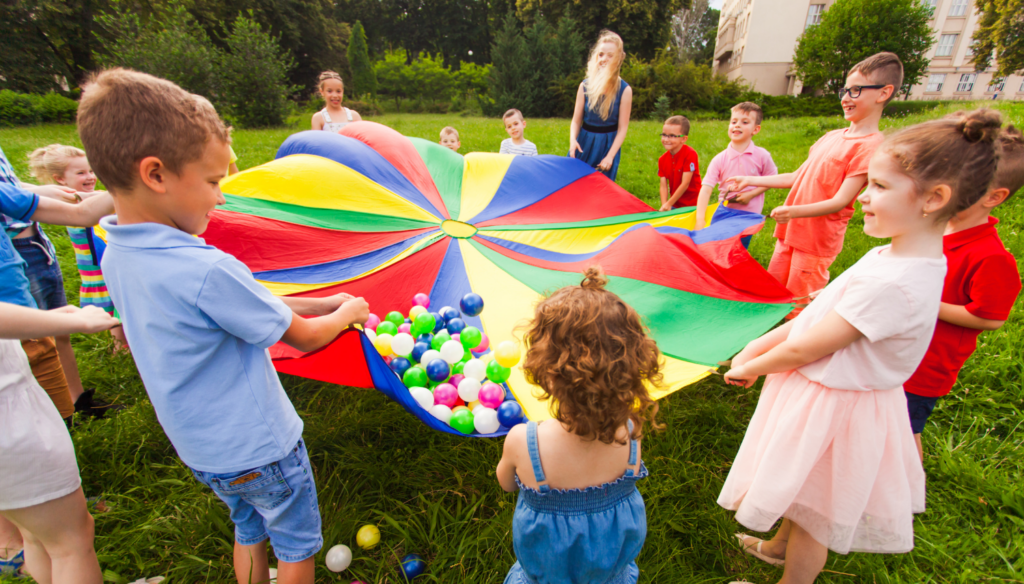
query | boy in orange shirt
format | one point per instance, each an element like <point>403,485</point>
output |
<point>812,222</point>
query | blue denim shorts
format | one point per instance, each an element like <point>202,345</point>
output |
<point>919,407</point>
<point>46,284</point>
<point>277,500</point>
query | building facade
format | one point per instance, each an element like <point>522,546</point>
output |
<point>756,40</point>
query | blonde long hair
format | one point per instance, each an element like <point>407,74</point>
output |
<point>603,84</point>
<point>51,161</point>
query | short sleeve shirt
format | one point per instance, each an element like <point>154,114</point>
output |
<point>833,159</point>
<point>199,325</point>
<point>673,167</point>
<point>893,302</point>
<point>753,161</point>
<point>527,148</point>
<point>20,205</point>
<point>982,277</point>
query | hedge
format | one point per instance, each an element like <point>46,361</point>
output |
<point>20,109</point>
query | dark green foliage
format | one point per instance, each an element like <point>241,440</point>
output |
<point>17,109</point>
<point>695,31</point>
<point>28,62</point>
<point>364,80</point>
<point>852,30</point>
<point>254,76</point>
<point>393,77</point>
<point>510,66</point>
<point>429,82</point>
<point>1000,32</point>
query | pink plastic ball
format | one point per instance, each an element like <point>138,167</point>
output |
<point>446,395</point>
<point>421,299</point>
<point>405,328</point>
<point>372,322</point>
<point>491,395</point>
<point>485,343</point>
<point>387,359</point>
<point>456,379</point>
<point>455,337</point>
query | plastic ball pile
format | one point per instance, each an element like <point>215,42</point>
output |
<point>448,365</point>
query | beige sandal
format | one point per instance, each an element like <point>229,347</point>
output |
<point>756,550</point>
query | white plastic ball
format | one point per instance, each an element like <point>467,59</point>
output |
<point>452,351</point>
<point>402,344</point>
<point>429,356</point>
<point>338,558</point>
<point>476,369</point>
<point>371,334</point>
<point>485,420</point>
<point>478,408</point>
<point>441,412</point>
<point>469,389</point>
<point>423,397</point>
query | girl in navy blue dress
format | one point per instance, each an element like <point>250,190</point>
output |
<point>580,518</point>
<point>603,103</point>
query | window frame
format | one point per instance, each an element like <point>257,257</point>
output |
<point>960,6</point>
<point>816,15</point>
<point>971,79</point>
<point>931,82</point>
<point>952,45</point>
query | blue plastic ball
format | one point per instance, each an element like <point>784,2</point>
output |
<point>438,370</point>
<point>418,349</point>
<point>408,320</point>
<point>472,304</point>
<point>438,321</point>
<point>456,325</point>
<point>449,313</point>
<point>400,365</point>
<point>510,413</point>
<point>425,338</point>
<point>413,565</point>
<point>444,309</point>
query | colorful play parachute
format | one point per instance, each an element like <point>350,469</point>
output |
<point>376,214</point>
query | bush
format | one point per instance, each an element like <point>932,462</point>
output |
<point>19,109</point>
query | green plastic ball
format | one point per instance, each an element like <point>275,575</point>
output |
<point>415,377</point>
<point>423,323</point>
<point>387,327</point>
<point>439,339</point>
<point>457,368</point>
<point>497,373</point>
<point>462,421</point>
<point>470,337</point>
<point>395,317</point>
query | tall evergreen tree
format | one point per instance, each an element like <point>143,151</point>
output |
<point>511,65</point>
<point>364,80</point>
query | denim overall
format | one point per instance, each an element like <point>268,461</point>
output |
<point>578,536</point>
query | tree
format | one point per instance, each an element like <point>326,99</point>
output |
<point>393,77</point>
<point>364,80</point>
<point>255,75</point>
<point>28,58</point>
<point>694,32</point>
<point>1000,33</point>
<point>852,30</point>
<point>510,66</point>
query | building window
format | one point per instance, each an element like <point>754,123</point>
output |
<point>814,15</point>
<point>930,5</point>
<point>1021,87</point>
<point>967,82</point>
<point>946,44</point>
<point>935,81</point>
<point>996,87</point>
<point>958,8</point>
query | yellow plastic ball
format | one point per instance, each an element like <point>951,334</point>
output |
<point>472,405</point>
<point>507,354</point>
<point>367,536</point>
<point>416,311</point>
<point>457,408</point>
<point>383,344</point>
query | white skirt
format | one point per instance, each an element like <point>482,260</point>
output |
<point>37,457</point>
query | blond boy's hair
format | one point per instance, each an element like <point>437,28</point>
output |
<point>749,107</point>
<point>125,116</point>
<point>1010,173</point>
<point>449,131</point>
<point>513,112</point>
<point>51,161</point>
<point>884,69</point>
<point>680,121</point>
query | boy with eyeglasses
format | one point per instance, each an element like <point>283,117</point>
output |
<point>812,222</point>
<point>678,167</point>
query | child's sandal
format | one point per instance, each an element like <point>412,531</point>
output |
<point>756,550</point>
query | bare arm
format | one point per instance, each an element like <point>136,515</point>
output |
<point>960,316</point>
<point>18,322</point>
<point>355,116</point>
<point>55,192</point>
<point>507,466</point>
<point>85,214</point>
<point>848,191</point>
<point>625,108</point>
<point>831,334</point>
<point>775,181</point>
<point>744,198</point>
<point>687,177</point>
<point>576,123</point>
<point>307,306</point>
<point>318,121</point>
<point>703,198</point>
<point>309,334</point>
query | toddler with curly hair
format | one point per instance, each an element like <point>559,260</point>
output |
<point>580,517</point>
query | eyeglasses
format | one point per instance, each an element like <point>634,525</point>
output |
<point>672,136</point>
<point>856,89</point>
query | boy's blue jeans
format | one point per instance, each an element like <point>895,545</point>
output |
<point>277,500</point>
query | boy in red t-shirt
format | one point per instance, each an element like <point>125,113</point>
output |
<point>812,223</point>
<point>678,167</point>
<point>982,283</point>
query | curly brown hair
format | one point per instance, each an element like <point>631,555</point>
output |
<point>588,350</point>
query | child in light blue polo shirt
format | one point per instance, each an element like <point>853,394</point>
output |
<point>198,323</point>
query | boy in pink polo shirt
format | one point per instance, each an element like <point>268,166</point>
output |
<point>740,158</point>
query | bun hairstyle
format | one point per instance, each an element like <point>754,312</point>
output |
<point>51,161</point>
<point>961,150</point>
<point>588,350</point>
<point>328,75</point>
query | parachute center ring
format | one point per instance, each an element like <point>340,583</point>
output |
<point>458,229</point>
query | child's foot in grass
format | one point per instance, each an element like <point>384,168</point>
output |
<point>763,550</point>
<point>89,404</point>
<point>97,505</point>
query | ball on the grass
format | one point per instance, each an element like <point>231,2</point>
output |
<point>446,395</point>
<point>413,565</point>
<point>400,364</point>
<point>462,421</point>
<point>415,377</point>
<point>470,337</point>
<point>452,352</point>
<point>472,304</point>
<point>438,370</point>
<point>395,317</point>
<point>367,536</point>
<point>387,328</point>
<point>372,321</point>
<point>422,396</point>
<point>491,395</point>
<point>510,413</point>
<point>497,373</point>
<point>441,412</point>
<point>402,344</point>
<point>476,369</point>
<point>469,389</point>
<point>338,558</point>
<point>421,299</point>
<point>485,420</point>
<point>507,353</point>
<point>456,325</point>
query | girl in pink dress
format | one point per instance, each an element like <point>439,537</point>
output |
<point>829,447</point>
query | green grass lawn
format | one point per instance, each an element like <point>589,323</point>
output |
<point>436,494</point>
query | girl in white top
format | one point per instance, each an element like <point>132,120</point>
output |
<point>829,447</point>
<point>40,490</point>
<point>335,116</point>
